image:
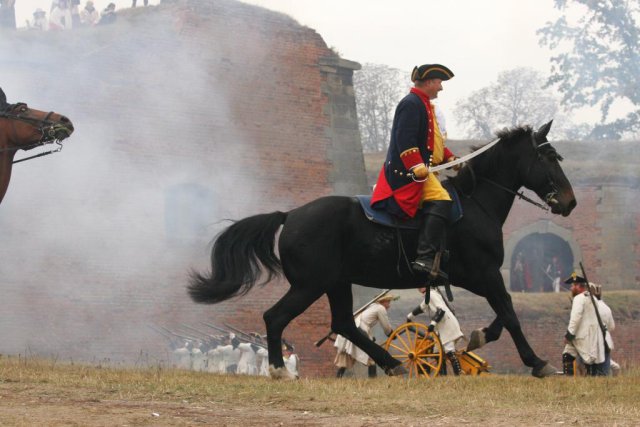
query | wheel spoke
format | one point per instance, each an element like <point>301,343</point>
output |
<point>415,340</point>
<point>435,368</point>
<point>424,371</point>
<point>409,338</point>
<point>398,348</point>
<point>404,343</point>
<point>426,355</point>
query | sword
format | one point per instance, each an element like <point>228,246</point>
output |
<point>460,159</point>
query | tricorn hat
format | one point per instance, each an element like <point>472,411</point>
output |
<point>574,278</point>
<point>431,71</point>
<point>388,297</point>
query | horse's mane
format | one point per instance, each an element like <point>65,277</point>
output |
<point>488,162</point>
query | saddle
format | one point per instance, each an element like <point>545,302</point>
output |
<point>382,217</point>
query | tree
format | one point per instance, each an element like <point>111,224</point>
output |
<point>378,89</point>
<point>517,98</point>
<point>603,61</point>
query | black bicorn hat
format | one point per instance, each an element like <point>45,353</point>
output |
<point>431,71</point>
<point>574,278</point>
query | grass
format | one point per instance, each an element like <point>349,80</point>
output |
<point>495,399</point>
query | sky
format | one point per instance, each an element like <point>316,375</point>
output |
<point>476,39</point>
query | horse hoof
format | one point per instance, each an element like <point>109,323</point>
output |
<point>398,371</point>
<point>281,373</point>
<point>545,370</point>
<point>476,340</point>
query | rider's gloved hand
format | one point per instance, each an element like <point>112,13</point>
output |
<point>420,171</point>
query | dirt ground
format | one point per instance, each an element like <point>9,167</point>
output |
<point>36,406</point>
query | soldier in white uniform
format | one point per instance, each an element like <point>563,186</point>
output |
<point>230,355</point>
<point>291,360</point>
<point>247,361</point>
<point>443,322</point>
<point>198,358</point>
<point>584,338</point>
<point>347,353</point>
<point>182,356</point>
<point>213,359</point>
<point>262,361</point>
<point>607,319</point>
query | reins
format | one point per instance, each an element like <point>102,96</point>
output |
<point>519,195</point>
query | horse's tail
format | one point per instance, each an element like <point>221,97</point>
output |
<point>236,259</point>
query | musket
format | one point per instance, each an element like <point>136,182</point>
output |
<point>238,331</point>
<point>355,313</point>
<point>595,307</point>
<point>161,332</point>
<point>217,328</point>
<point>183,336</point>
<point>198,331</point>
<point>250,341</point>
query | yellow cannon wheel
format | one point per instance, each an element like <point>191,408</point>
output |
<point>419,350</point>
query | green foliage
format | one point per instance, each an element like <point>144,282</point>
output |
<point>599,61</point>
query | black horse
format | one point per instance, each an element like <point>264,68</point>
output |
<point>328,244</point>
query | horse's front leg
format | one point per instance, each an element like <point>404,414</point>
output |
<point>500,301</point>
<point>342,322</point>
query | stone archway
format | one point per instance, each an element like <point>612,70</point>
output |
<point>542,241</point>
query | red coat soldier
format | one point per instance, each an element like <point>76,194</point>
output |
<point>417,144</point>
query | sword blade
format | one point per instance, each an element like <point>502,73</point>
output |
<point>464,158</point>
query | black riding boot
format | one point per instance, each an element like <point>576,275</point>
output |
<point>340,372</point>
<point>455,363</point>
<point>373,371</point>
<point>568,364</point>
<point>432,233</point>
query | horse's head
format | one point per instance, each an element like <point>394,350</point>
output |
<point>25,128</point>
<point>541,172</point>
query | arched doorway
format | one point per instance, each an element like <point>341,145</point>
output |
<point>539,262</point>
<point>538,244</point>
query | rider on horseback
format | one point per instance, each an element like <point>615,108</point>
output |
<point>405,185</point>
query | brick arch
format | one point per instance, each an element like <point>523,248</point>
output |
<point>542,227</point>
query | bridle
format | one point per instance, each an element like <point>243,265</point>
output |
<point>549,198</point>
<point>45,126</point>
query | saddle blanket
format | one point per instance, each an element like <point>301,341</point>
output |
<point>382,217</point>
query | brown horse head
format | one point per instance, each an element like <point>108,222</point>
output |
<point>24,128</point>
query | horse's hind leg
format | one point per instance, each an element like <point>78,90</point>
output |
<point>342,322</point>
<point>290,306</point>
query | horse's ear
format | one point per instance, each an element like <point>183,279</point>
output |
<point>541,134</point>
